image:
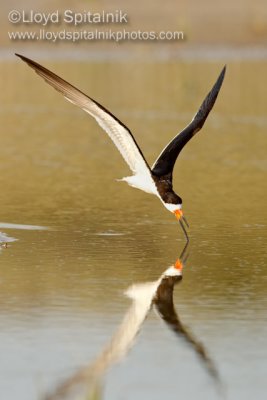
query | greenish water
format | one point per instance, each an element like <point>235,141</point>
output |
<point>61,294</point>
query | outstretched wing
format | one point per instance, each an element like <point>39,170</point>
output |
<point>117,131</point>
<point>163,301</point>
<point>165,162</point>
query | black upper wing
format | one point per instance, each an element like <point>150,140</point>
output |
<point>165,162</point>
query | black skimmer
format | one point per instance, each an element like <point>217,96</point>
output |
<point>158,179</point>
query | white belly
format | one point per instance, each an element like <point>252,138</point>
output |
<point>143,182</point>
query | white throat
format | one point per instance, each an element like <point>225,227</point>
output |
<point>172,207</point>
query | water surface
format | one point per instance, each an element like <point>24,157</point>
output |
<point>61,296</point>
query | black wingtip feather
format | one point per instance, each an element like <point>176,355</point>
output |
<point>31,63</point>
<point>209,101</point>
<point>22,57</point>
<point>216,88</point>
<point>220,80</point>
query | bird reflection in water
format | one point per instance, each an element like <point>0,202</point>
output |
<point>86,382</point>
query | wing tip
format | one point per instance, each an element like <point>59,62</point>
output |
<point>21,56</point>
<point>220,79</point>
<point>30,62</point>
<point>223,71</point>
<point>221,76</point>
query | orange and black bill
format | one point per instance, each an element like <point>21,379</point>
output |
<point>182,220</point>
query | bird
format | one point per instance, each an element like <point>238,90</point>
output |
<point>157,180</point>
